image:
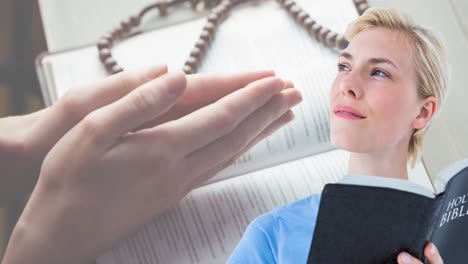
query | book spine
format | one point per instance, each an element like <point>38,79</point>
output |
<point>438,210</point>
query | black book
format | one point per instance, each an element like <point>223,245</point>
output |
<point>366,219</point>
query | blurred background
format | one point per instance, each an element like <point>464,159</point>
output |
<point>21,40</point>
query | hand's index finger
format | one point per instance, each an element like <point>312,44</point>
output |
<point>141,105</point>
<point>214,121</point>
<point>212,86</point>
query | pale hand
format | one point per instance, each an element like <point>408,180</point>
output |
<point>25,140</point>
<point>106,176</point>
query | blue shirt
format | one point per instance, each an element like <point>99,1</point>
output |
<point>280,236</point>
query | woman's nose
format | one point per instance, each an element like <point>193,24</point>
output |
<point>351,85</point>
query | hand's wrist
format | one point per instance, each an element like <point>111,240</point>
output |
<point>44,235</point>
<point>27,245</point>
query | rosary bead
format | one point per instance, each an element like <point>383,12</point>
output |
<point>213,18</point>
<point>362,7</point>
<point>341,42</point>
<point>314,30</point>
<point>294,10</point>
<point>109,63</point>
<point>125,25</point>
<point>206,36</point>
<point>288,3</point>
<point>117,33</point>
<point>210,27</point>
<point>323,34</point>
<point>104,54</point>
<point>162,6</point>
<point>103,43</point>
<point>202,45</point>
<point>196,52</point>
<point>192,62</point>
<point>220,13</point>
<point>307,23</point>
<point>187,69</point>
<point>301,17</point>
<point>134,21</point>
<point>116,69</point>
<point>330,39</point>
<point>227,3</point>
<point>107,37</point>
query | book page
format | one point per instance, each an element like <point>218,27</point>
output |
<point>385,182</point>
<point>254,36</point>
<point>447,174</point>
<point>207,225</point>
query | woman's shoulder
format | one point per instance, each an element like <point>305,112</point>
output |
<point>299,213</point>
<point>280,236</point>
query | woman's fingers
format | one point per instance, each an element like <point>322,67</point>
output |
<point>224,147</point>
<point>89,97</point>
<point>206,88</point>
<point>216,120</point>
<point>405,258</point>
<point>138,107</point>
<point>430,252</point>
<point>81,101</point>
<point>275,126</point>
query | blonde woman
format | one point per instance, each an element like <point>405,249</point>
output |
<point>391,82</point>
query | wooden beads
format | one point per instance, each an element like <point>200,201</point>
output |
<point>106,42</point>
<point>307,23</point>
<point>314,30</point>
<point>218,14</point>
<point>301,17</point>
<point>341,42</point>
<point>361,6</point>
<point>162,6</point>
<point>104,54</point>
<point>330,39</point>
<point>323,34</point>
<point>320,33</point>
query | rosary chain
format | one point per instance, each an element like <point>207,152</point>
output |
<point>217,15</point>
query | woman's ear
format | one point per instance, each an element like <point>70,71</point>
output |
<point>426,112</point>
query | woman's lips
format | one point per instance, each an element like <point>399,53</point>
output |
<point>347,112</point>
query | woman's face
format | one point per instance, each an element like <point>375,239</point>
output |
<point>374,100</point>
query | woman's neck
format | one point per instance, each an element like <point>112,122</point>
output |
<point>391,165</point>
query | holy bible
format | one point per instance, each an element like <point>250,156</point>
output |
<point>365,219</point>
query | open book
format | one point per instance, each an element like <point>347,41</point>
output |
<point>395,216</point>
<point>293,163</point>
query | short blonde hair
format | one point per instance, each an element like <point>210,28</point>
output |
<point>429,58</point>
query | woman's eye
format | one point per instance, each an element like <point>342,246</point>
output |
<point>380,73</point>
<point>342,67</point>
